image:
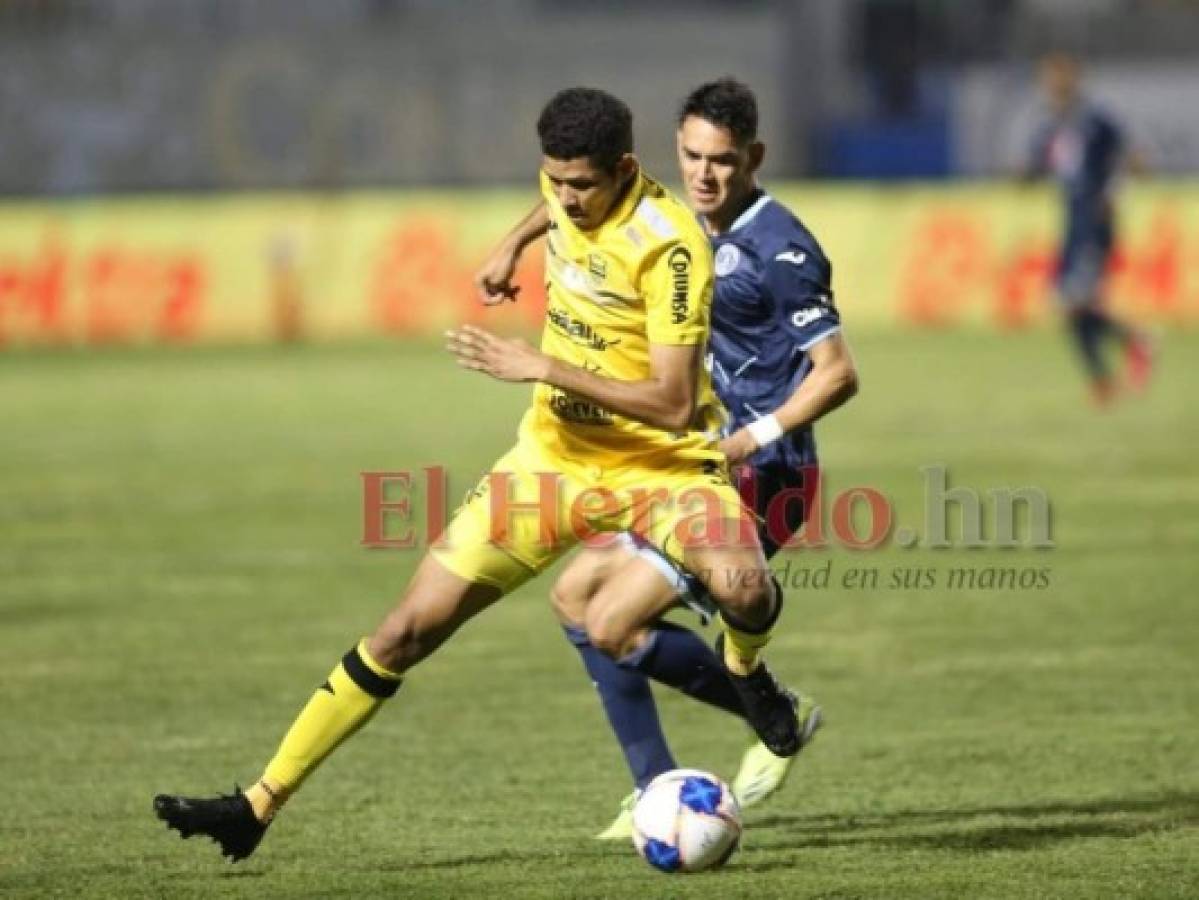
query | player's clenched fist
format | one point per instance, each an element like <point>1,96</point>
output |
<point>738,446</point>
<point>493,281</point>
<point>508,359</point>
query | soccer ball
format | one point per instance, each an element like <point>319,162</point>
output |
<point>686,821</point>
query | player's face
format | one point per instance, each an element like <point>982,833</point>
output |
<point>587,193</point>
<point>718,174</point>
<point>1059,81</point>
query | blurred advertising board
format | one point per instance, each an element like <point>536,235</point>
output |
<point>260,267</point>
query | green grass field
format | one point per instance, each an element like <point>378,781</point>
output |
<point>180,567</point>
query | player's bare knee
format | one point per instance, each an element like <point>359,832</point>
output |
<point>579,583</point>
<point>607,634</point>
<point>605,639</point>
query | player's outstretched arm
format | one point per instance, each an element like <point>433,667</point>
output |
<point>832,381</point>
<point>664,400</point>
<point>493,280</point>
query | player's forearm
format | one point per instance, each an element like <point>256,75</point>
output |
<point>824,389</point>
<point>656,403</point>
<point>494,279</point>
<point>528,229</point>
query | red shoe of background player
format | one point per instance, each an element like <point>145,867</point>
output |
<point>1140,362</point>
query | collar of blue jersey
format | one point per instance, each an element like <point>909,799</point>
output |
<point>761,198</point>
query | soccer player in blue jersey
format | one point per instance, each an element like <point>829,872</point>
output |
<point>779,362</point>
<point>1084,150</point>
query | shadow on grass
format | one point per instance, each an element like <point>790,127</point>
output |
<point>506,857</point>
<point>954,830</point>
<point>957,830</point>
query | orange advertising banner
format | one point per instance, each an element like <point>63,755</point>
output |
<point>232,268</point>
<point>985,254</point>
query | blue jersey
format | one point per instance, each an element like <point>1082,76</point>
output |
<point>1082,151</point>
<point>773,302</point>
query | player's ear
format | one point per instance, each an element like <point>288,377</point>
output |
<point>757,153</point>
<point>626,167</point>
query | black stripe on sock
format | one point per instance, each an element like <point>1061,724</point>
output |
<point>366,677</point>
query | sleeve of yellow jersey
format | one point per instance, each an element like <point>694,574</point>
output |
<point>677,286</point>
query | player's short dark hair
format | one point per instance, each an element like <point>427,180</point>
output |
<point>586,122</point>
<point>726,103</point>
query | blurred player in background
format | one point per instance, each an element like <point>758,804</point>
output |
<point>1085,150</point>
<point>779,362</point>
<point>622,405</point>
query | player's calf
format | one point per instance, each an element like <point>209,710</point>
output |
<point>750,603</point>
<point>747,598</point>
<point>436,604</point>
<point>738,580</point>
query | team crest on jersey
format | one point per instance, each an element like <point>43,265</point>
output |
<point>728,257</point>
<point>597,267</point>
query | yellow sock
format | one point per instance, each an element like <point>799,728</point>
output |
<point>742,648</point>
<point>354,691</point>
<point>265,799</point>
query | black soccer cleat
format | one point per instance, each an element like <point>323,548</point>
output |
<point>228,819</point>
<point>769,707</point>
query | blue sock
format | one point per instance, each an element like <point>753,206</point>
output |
<point>678,657</point>
<point>631,710</point>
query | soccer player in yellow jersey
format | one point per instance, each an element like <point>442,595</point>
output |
<point>779,362</point>
<point>621,436</point>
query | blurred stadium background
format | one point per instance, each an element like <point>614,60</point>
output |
<point>395,140</point>
<point>185,185</point>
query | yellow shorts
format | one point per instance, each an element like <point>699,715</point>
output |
<point>532,508</point>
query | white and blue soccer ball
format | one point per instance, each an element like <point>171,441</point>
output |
<point>686,821</point>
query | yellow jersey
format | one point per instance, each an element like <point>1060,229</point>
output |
<point>643,277</point>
